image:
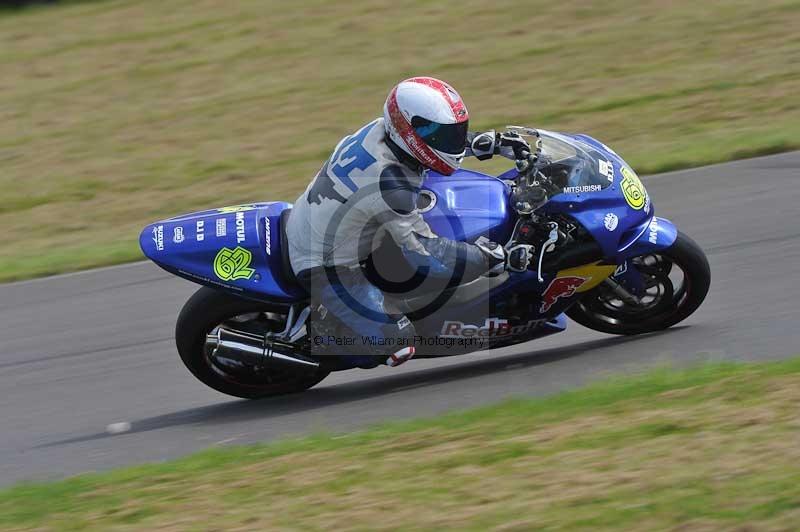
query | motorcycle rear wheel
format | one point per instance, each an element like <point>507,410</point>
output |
<point>667,302</point>
<point>208,309</point>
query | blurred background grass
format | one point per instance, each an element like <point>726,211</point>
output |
<point>117,113</point>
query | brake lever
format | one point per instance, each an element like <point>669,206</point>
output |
<point>548,246</point>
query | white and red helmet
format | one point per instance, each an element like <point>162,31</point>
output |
<point>428,119</point>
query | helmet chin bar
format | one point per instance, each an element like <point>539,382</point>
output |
<point>452,160</point>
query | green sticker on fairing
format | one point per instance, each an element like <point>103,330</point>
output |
<point>232,264</point>
<point>236,208</point>
<point>633,189</point>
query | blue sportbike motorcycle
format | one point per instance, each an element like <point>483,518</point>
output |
<point>603,259</point>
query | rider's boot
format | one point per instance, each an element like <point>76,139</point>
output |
<point>399,357</point>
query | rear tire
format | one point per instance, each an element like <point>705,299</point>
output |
<point>593,312</point>
<point>205,310</point>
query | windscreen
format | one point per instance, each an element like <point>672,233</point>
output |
<point>573,166</point>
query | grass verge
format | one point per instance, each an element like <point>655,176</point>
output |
<point>709,447</point>
<point>117,113</point>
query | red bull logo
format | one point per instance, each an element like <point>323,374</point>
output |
<point>492,328</point>
<point>560,287</point>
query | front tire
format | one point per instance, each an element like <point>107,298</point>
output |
<point>599,310</point>
<point>209,308</point>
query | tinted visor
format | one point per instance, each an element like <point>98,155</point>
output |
<point>447,138</point>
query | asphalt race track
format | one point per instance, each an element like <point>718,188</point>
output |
<point>82,351</point>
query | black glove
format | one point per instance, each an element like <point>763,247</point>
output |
<point>513,140</point>
<point>485,145</point>
<point>516,258</point>
<point>519,257</point>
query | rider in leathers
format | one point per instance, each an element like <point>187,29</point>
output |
<point>368,189</point>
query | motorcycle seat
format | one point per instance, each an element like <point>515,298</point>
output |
<point>286,273</point>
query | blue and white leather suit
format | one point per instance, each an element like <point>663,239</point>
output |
<point>367,191</point>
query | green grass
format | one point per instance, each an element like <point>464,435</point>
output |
<point>709,447</point>
<point>117,113</point>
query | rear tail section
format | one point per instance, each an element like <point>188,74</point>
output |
<point>238,249</point>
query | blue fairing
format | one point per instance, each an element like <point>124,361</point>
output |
<point>468,205</point>
<point>592,208</point>
<point>651,236</point>
<point>234,248</point>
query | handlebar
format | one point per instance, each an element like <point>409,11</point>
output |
<point>533,187</point>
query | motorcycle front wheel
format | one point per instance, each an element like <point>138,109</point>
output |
<point>676,281</point>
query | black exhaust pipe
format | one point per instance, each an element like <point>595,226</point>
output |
<point>255,350</point>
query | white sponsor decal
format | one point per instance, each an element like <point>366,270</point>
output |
<point>403,323</point>
<point>412,143</point>
<point>647,204</point>
<point>606,169</point>
<point>622,268</point>
<point>177,235</point>
<point>492,328</point>
<point>611,221</point>
<point>200,234</point>
<point>158,237</point>
<point>582,188</point>
<point>268,237</point>
<point>240,234</point>
<point>654,231</point>
<point>222,227</point>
